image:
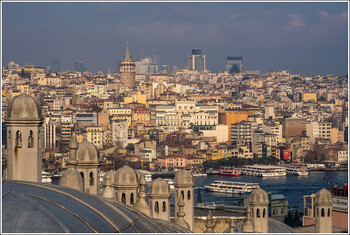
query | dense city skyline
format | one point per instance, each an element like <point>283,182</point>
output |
<point>304,38</point>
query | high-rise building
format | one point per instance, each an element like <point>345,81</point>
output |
<point>234,64</point>
<point>146,66</point>
<point>78,66</point>
<point>127,69</point>
<point>55,65</point>
<point>196,61</point>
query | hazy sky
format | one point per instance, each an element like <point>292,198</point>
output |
<point>306,38</point>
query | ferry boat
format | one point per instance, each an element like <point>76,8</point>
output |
<point>46,177</point>
<point>199,175</point>
<point>147,174</point>
<point>264,170</point>
<point>171,183</point>
<point>230,171</point>
<point>222,186</point>
<point>296,170</point>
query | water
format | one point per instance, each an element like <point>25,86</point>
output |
<point>293,187</point>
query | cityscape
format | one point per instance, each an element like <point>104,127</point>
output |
<point>175,132</point>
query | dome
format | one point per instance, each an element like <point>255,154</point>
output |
<point>183,178</point>
<point>29,207</point>
<point>71,179</point>
<point>126,176</point>
<point>87,153</point>
<point>323,196</point>
<point>24,108</point>
<point>259,196</point>
<point>159,187</point>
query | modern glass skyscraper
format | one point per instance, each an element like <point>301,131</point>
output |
<point>196,61</point>
<point>79,66</point>
<point>55,65</point>
<point>234,64</point>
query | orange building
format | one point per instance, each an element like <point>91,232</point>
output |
<point>233,116</point>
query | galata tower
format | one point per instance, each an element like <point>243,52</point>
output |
<point>127,69</point>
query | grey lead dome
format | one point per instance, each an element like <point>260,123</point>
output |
<point>87,153</point>
<point>24,107</point>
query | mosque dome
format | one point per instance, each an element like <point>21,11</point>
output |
<point>126,176</point>
<point>24,108</point>
<point>72,179</point>
<point>259,196</point>
<point>87,153</point>
<point>323,196</point>
<point>159,187</point>
<point>29,207</point>
<point>183,178</point>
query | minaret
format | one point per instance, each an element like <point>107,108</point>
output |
<point>209,225</point>
<point>180,220</point>
<point>183,184</point>
<point>141,203</point>
<point>24,122</point>
<point>71,177</point>
<point>323,211</point>
<point>127,69</point>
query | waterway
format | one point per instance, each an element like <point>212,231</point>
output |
<point>293,187</point>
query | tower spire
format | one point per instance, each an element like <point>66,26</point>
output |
<point>127,55</point>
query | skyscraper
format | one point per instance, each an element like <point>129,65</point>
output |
<point>127,69</point>
<point>234,64</point>
<point>79,66</point>
<point>196,61</point>
<point>55,65</point>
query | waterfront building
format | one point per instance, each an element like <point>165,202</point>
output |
<point>313,131</point>
<point>127,69</point>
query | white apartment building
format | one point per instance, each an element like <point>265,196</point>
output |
<point>273,128</point>
<point>325,130</point>
<point>119,133</point>
<point>313,131</point>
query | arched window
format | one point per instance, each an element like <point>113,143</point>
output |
<point>132,199</point>
<point>82,175</point>
<point>189,195</point>
<point>258,213</point>
<point>123,198</point>
<point>329,212</point>
<point>264,213</point>
<point>18,139</point>
<point>183,194</point>
<point>91,178</point>
<point>30,140</point>
<point>156,208</point>
<point>164,207</point>
<point>322,212</point>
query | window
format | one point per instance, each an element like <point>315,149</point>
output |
<point>156,208</point>
<point>18,139</point>
<point>30,140</point>
<point>258,213</point>
<point>123,198</point>
<point>322,212</point>
<point>189,195</point>
<point>91,178</point>
<point>164,207</point>
<point>132,199</point>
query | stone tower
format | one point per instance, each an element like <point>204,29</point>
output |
<point>71,177</point>
<point>323,211</point>
<point>183,184</point>
<point>125,185</point>
<point>159,199</point>
<point>88,158</point>
<point>259,203</point>
<point>24,121</point>
<point>127,69</point>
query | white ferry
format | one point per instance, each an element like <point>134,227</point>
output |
<point>222,186</point>
<point>147,174</point>
<point>199,175</point>
<point>171,183</point>
<point>46,177</point>
<point>296,170</point>
<point>264,170</point>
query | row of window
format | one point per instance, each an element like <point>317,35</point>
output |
<point>18,143</point>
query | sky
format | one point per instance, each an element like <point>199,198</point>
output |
<point>303,38</point>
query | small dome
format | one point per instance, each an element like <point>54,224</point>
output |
<point>71,179</point>
<point>259,195</point>
<point>183,178</point>
<point>126,176</point>
<point>87,153</point>
<point>323,196</point>
<point>111,174</point>
<point>24,107</point>
<point>159,187</point>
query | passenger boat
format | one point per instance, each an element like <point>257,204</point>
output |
<point>264,170</point>
<point>199,175</point>
<point>147,174</point>
<point>222,186</point>
<point>230,171</point>
<point>171,183</point>
<point>46,177</point>
<point>296,170</point>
